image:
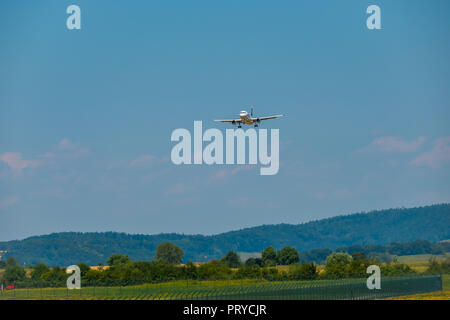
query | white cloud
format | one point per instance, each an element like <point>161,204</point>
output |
<point>16,163</point>
<point>69,149</point>
<point>437,156</point>
<point>64,150</point>
<point>66,144</point>
<point>393,144</point>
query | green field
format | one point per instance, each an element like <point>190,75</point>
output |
<point>251,289</point>
<point>421,257</point>
<point>160,291</point>
<point>439,295</point>
<point>446,282</point>
<point>419,262</point>
<point>239,290</point>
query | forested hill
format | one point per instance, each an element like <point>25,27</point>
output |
<point>377,227</point>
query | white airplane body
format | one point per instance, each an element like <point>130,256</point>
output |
<point>245,118</point>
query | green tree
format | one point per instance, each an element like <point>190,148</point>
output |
<point>359,256</point>
<point>396,269</point>
<point>445,266</point>
<point>248,272</point>
<point>341,258</point>
<point>434,266</point>
<point>287,256</point>
<point>190,270</point>
<point>213,270</point>
<point>14,274</point>
<point>84,268</point>
<point>94,276</point>
<point>270,274</point>
<point>169,252</point>
<point>56,276</point>
<point>117,259</point>
<point>269,256</point>
<point>254,262</point>
<point>305,271</point>
<point>336,264</point>
<point>231,259</point>
<point>37,272</point>
<point>11,262</point>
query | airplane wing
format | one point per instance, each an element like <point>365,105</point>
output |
<point>231,121</point>
<point>269,117</point>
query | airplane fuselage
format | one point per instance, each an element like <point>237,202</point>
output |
<point>245,118</point>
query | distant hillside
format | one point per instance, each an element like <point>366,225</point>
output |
<point>384,253</point>
<point>377,228</point>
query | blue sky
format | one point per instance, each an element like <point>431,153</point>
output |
<point>86,115</point>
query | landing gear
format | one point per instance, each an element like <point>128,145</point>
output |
<point>256,126</point>
<point>239,126</point>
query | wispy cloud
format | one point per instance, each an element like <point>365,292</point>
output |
<point>8,201</point>
<point>393,144</point>
<point>65,149</point>
<point>66,144</point>
<point>16,163</point>
<point>439,155</point>
<point>69,149</point>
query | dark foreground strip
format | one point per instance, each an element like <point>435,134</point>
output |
<point>218,309</point>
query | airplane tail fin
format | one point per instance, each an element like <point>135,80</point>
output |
<point>251,112</point>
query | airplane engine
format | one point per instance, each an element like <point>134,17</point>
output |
<point>233,122</point>
<point>258,120</point>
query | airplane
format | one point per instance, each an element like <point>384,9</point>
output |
<point>245,118</point>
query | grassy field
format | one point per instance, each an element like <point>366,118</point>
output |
<point>422,257</point>
<point>439,295</point>
<point>235,290</point>
<point>446,282</point>
<point>169,290</point>
<point>242,289</point>
<point>417,265</point>
<point>160,291</point>
<point>419,262</point>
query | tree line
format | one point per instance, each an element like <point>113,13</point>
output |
<point>431,223</point>
<point>121,270</point>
